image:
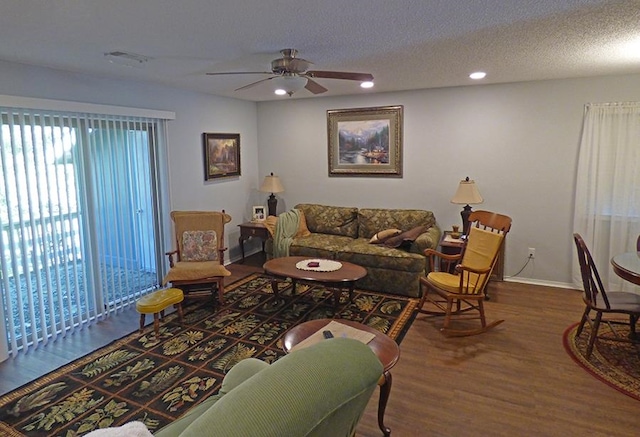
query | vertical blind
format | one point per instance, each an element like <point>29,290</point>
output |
<point>79,210</point>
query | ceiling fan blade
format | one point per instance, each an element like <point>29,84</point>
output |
<point>315,87</point>
<point>240,72</point>
<point>362,77</point>
<point>254,83</point>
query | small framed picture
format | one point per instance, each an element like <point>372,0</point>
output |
<point>258,214</point>
<point>221,155</point>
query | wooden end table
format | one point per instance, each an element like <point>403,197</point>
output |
<point>345,277</point>
<point>384,347</point>
<point>250,230</point>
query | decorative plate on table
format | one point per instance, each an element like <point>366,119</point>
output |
<point>319,265</point>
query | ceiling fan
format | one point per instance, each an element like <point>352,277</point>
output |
<point>291,74</point>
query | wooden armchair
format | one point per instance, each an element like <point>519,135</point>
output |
<point>198,257</point>
<point>460,295</point>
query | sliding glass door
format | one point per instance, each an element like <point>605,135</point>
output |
<point>79,214</point>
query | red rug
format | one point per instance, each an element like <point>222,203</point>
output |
<point>615,363</point>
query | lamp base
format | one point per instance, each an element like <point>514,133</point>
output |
<point>272,203</point>
<point>465,213</point>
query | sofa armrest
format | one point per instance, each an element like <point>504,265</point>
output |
<point>426,240</point>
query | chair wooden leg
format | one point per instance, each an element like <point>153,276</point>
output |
<point>447,317</point>
<point>585,317</point>
<point>483,321</point>
<point>221,291</point>
<point>141,322</point>
<point>423,299</point>
<point>594,334</point>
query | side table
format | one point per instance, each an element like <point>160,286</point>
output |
<point>450,246</point>
<point>385,348</point>
<point>252,229</point>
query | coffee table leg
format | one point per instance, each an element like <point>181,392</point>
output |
<point>274,286</point>
<point>385,390</point>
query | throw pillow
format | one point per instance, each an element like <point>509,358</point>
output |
<point>383,236</point>
<point>406,237</point>
<point>270,224</point>
<point>302,231</point>
<point>199,246</point>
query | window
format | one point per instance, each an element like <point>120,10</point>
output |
<point>79,210</point>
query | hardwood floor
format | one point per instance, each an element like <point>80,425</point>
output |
<point>515,380</point>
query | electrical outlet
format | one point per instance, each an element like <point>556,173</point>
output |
<point>532,253</point>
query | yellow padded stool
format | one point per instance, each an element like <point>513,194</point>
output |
<point>155,303</point>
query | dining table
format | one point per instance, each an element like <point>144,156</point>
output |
<point>627,266</point>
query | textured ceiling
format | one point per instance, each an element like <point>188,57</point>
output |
<point>405,44</point>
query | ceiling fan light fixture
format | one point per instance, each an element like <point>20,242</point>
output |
<point>289,84</point>
<point>366,84</point>
<point>478,75</point>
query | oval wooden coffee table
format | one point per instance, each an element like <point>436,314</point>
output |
<point>383,346</point>
<point>343,278</point>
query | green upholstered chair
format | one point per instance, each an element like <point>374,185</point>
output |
<point>321,390</point>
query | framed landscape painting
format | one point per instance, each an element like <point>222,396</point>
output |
<point>365,141</point>
<point>221,155</point>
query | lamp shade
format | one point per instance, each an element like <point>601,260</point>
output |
<point>467,193</point>
<point>289,84</point>
<point>271,184</point>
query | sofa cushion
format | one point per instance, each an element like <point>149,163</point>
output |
<point>318,245</point>
<point>382,236</point>
<point>361,252</point>
<point>405,237</point>
<point>334,220</point>
<point>372,220</point>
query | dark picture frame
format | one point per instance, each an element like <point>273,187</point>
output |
<point>365,141</point>
<point>221,155</point>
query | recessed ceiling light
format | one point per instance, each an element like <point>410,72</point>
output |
<point>367,84</point>
<point>478,75</point>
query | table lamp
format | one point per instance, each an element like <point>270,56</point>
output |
<point>272,184</point>
<point>467,194</point>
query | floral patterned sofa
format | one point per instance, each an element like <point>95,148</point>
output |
<point>344,234</point>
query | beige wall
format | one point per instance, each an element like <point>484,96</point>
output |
<point>518,141</point>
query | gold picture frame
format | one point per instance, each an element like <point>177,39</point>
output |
<point>221,155</point>
<point>365,141</point>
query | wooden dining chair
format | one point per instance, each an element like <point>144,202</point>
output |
<point>608,306</point>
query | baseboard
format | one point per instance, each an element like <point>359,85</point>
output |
<point>566,285</point>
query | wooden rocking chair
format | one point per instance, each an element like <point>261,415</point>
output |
<point>461,294</point>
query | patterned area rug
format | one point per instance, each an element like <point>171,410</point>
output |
<point>613,362</point>
<point>156,380</point>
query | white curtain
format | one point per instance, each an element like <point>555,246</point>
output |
<point>607,204</point>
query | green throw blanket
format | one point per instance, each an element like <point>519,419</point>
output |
<point>286,229</point>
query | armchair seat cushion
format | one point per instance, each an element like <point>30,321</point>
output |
<point>195,270</point>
